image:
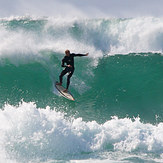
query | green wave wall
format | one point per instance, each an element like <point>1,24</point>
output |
<point>120,85</point>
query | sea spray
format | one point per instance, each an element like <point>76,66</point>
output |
<point>109,36</point>
<point>30,133</point>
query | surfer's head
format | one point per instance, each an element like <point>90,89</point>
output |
<point>67,52</point>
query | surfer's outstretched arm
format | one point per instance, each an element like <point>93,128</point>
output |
<point>80,55</point>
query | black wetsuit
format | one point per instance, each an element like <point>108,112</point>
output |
<point>69,60</point>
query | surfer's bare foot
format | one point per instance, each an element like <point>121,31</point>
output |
<point>66,90</point>
<point>58,83</point>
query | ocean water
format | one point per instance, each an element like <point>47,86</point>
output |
<point>118,88</point>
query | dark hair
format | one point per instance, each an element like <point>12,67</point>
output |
<point>67,51</point>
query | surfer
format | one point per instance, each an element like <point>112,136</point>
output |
<point>69,67</point>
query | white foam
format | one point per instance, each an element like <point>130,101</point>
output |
<point>108,36</point>
<point>98,37</point>
<point>137,35</point>
<point>30,133</point>
<point>22,45</point>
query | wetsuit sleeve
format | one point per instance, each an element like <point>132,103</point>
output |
<point>63,63</point>
<point>80,55</point>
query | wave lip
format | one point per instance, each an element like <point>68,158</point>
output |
<point>31,35</point>
<point>32,133</point>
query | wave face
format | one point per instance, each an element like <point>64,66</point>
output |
<point>117,115</point>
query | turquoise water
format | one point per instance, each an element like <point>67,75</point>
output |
<point>117,114</point>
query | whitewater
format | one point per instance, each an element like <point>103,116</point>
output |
<point>117,115</point>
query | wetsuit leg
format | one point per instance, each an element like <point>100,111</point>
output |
<point>68,78</point>
<point>62,74</point>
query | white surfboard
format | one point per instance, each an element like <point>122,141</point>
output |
<point>61,89</point>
